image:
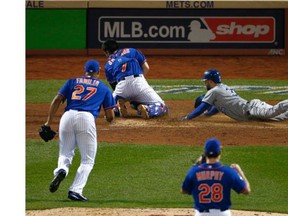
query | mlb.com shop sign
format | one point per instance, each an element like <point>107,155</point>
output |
<point>260,29</point>
<point>165,29</point>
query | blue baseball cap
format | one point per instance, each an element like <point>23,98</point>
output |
<point>212,146</point>
<point>92,66</point>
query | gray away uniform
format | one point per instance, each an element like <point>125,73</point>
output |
<point>228,102</point>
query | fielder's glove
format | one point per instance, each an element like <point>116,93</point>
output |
<point>46,133</point>
<point>200,160</point>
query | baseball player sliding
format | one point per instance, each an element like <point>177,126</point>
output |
<point>211,182</point>
<point>124,71</point>
<point>85,96</point>
<point>228,102</point>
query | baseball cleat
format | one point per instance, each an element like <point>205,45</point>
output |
<point>123,108</point>
<point>61,174</point>
<point>76,196</point>
<point>143,111</point>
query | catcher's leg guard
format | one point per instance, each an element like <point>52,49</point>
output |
<point>153,110</point>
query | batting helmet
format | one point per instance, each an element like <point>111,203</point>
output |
<point>212,74</point>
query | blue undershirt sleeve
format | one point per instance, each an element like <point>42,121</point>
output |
<point>199,110</point>
<point>212,111</point>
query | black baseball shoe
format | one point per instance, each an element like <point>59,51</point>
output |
<point>60,175</point>
<point>76,196</point>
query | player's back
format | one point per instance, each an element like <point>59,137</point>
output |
<point>227,101</point>
<point>211,184</point>
<point>132,53</point>
<point>123,66</point>
<point>84,93</point>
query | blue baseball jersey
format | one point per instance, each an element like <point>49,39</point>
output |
<point>211,184</point>
<point>123,66</point>
<point>88,94</point>
<point>128,53</point>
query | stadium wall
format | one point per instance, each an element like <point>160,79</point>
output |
<point>224,27</point>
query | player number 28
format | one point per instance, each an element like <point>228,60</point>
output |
<point>208,194</point>
<point>79,89</point>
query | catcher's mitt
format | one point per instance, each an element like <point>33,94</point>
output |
<point>46,133</point>
<point>200,160</point>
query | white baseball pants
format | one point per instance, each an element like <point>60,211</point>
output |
<point>77,128</point>
<point>262,110</point>
<point>137,89</point>
<point>213,212</point>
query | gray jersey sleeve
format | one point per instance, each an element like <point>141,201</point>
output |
<point>226,101</point>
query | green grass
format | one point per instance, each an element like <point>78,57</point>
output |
<point>43,91</point>
<point>130,175</point>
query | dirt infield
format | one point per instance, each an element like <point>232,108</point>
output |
<point>168,130</point>
<point>135,212</point>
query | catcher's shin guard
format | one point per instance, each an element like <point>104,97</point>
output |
<point>156,110</point>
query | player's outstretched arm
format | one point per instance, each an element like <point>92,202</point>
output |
<point>212,111</point>
<point>198,111</point>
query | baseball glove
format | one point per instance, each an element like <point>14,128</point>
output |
<point>200,160</point>
<point>46,133</point>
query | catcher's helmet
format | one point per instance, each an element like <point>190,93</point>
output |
<point>110,45</point>
<point>212,74</point>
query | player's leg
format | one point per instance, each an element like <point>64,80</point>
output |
<point>86,138</point>
<point>151,104</point>
<point>283,105</point>
<point>67,144</point>
<point>122,107</point>
<point>144,93</point>
<point>67,141</point>
<point>262,110</point>
<point>156,110</point>
<point>147,111</point>
<point>120,95</point>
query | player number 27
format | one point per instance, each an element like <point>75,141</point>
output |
<point>79,89</point>
<point>208,194</point>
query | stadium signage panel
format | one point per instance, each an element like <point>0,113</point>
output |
<point>187,29</point>
<point>263,30</point>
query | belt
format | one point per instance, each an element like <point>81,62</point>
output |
<point>123,78</point>
<point>208,210</point>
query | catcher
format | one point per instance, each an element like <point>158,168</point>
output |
<point>125,70</point>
